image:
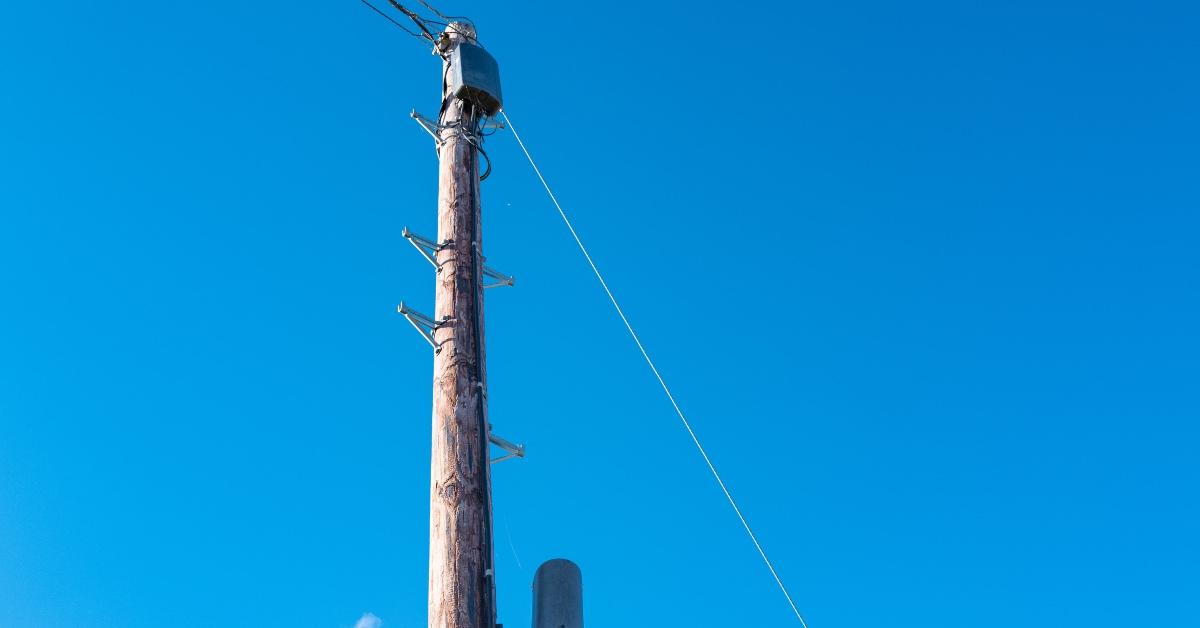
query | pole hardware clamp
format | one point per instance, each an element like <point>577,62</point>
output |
<point>426,247</point>
<point>430,127</point>
<point>424,324</point>
<point>514,450</point>
<point>429,250</point>
<point>500,278</point>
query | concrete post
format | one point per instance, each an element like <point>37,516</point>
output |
<point>558,595</point>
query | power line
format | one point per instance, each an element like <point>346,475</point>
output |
<point>417,19</point>
<point>390,19</point>
<point>443,15</point>
<point>654,369</point>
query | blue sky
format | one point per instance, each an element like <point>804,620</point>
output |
<point>923,275</point>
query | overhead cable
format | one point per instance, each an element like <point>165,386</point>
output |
<point>654,369</point>
<point>443,15</point>
<point>417,19</point>
<point>392,20</point>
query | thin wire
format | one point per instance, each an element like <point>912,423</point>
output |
<point>654,369</point>
<point>417,19</point>
<point>512,545</point>
<point>442,15</point>
<point>449,26</point>
<point>390,19</point>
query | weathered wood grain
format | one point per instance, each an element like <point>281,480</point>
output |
<point>461,591</point>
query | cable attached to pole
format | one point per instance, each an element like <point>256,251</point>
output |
<point>390,19</point>
<point>417,19</point>
<point>443,15</point>
<point>686,424</point>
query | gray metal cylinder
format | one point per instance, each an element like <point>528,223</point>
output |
<point>558,595</point>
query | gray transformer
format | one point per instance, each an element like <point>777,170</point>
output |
<point>475,77</point>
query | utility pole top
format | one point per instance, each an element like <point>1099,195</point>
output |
<point>455,33</point>
<point>472,74</point>
<point>463,29</point>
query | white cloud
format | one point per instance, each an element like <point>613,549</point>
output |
<point>369,620</point>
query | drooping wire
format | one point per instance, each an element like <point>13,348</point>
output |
<point>488,172</point>
<point>417,19</point>
<point>475,135</point>
<point>424,22</point>
<point>449,22</point>
<point>443,15</point>
<point>392,20</point>
<point>467,127</point>
<point>654,369</point>
<point>453,28</point>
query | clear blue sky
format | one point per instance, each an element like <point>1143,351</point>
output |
<point>924,276</point>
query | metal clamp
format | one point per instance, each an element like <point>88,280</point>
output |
<point>426,247</point>
<point>430,127</point>
<point>501,278</point>
<point>429,250</point>
<point>424,324</point>
<point>514,450</point>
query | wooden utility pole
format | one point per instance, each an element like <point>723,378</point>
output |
<point>461,578</point>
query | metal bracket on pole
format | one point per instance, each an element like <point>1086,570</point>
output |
<point>426,247</point>
<point>430,127</point>
<point>429,250</point>
<point>423,324</point>
<point>514,450</point>
<point>500,278</point>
